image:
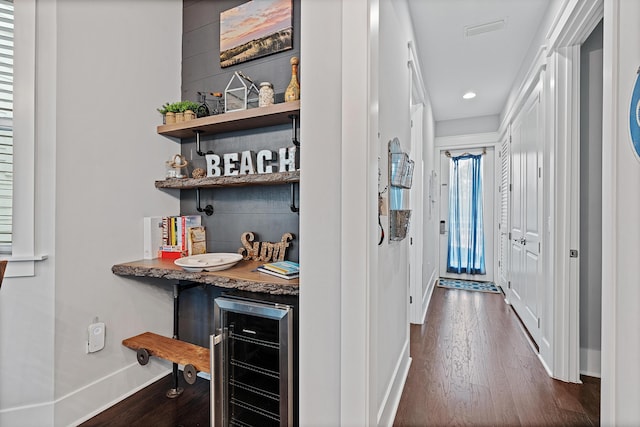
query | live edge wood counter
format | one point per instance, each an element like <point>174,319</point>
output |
<point>242,276</point>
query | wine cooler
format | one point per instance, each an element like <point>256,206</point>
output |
<point>252,360</point>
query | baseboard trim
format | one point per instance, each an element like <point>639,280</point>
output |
<point>590,362</point>
<point>78,406</point>
<point>427,297</point>
<point>40,414</point>
<point>389,405</point>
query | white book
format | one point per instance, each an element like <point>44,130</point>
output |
<point>152,236</point>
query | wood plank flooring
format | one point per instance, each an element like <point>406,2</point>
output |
<point>473,365</point>
<point>150,407</point>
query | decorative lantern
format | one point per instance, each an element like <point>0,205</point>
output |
<point>241,93</point>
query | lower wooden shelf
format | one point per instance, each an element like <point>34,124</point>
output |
<point>170,349</point>
<point>243,276</point>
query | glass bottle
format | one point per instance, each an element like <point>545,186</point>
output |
<point>293,90</point>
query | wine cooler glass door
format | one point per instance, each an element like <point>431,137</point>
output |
<point>252,364</point>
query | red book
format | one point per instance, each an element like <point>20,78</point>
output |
<point>170,254</point>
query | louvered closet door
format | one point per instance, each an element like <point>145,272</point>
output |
<point>503,225</point>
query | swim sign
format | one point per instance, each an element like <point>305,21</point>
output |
<point>634,116</point>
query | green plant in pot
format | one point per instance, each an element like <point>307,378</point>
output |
<point>168,111</point>
<point>178,111</point>
<point>189,108</point>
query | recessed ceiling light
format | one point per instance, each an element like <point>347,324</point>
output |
<point>469,95</point>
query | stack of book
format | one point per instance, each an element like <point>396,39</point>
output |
<point>173,236</point>
<point>282,269</point>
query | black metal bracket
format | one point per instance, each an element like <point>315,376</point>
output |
<point>294,130</point>
<point>293,206</point>
<point>200,152</point>
<point>207,209</point>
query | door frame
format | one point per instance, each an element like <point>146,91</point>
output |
<point>418,300</point>
<point>489,140</point>
<point>571,32</point>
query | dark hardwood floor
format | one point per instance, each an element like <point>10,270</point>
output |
<point>472,365</point>
<point>150,407</point>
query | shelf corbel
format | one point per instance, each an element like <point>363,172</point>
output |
<point>198,133</point>
<point>294,129</point>
<point>293,206</point>
<point>207,209</point>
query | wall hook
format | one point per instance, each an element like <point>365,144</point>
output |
<point>294,130</point>
<point>207,209</point>
<point>293,206</point>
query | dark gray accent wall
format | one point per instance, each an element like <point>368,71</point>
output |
<point>261,209</point>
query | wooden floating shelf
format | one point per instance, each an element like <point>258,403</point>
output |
<point>175,351</point>
<point>252,118</point>
<point>243,276</point>
<point>275,178</point>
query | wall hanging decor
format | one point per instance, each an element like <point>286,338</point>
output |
<point>255,29</point>
<point>400,179</point>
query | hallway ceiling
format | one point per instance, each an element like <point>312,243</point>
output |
<point>486,62</point>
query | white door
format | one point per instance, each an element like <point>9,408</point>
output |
<point>525,244</point>
<point>488,194</point>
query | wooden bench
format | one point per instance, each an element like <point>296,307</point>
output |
<point>191,356</point>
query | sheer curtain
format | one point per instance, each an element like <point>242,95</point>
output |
<point>466,229</point>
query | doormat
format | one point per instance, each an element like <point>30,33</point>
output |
<point>469,285</point>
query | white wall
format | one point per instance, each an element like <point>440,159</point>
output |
<point>621,232</point>
<point>320,213</point>
<point>97,156</point>
<point>354,305</point>
<point>391,324</point>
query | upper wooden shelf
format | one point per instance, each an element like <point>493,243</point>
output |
<point>252,118</point>
<point>275,178</point>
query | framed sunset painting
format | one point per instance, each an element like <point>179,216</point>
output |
<point>255,29</point>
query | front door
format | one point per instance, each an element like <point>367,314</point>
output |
<point>488,202</point>
<point>525,242</point>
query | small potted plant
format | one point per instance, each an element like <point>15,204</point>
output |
<point>168,115</point>
<point>177,112</point>
<point>189,108</point>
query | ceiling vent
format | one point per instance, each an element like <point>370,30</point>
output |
<point>474,30</point>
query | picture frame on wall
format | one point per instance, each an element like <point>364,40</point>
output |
<point>255,29</point>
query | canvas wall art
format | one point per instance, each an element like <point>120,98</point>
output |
<point>255,29</point>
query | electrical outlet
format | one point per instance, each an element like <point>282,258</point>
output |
<point>96,337</point>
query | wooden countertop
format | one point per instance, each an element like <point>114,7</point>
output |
<point>242,276</point>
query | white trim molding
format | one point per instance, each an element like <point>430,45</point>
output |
<point>610,113</point>
<point>577,20</point>
<point>23,239</point>
<point>566,145</point>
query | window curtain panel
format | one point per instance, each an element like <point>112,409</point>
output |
<point>466,227</point>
